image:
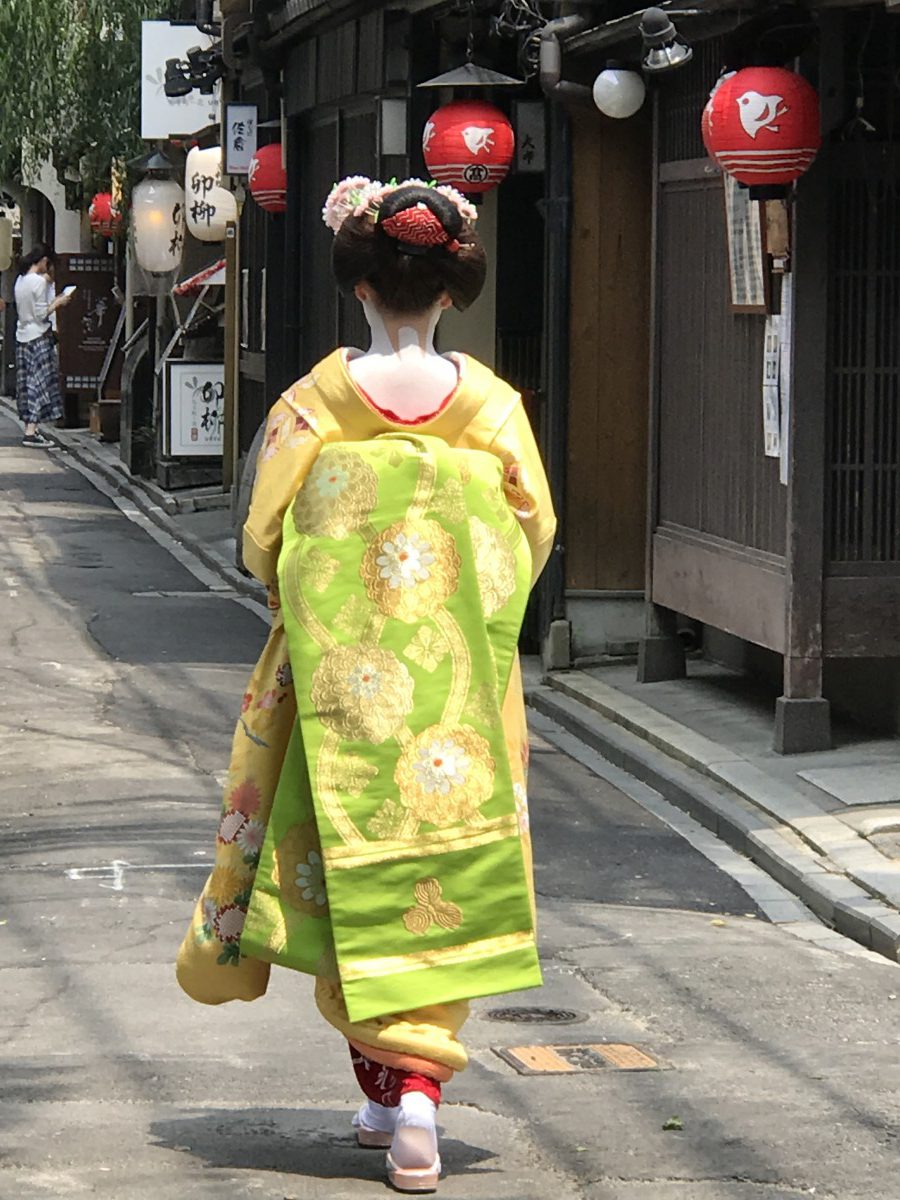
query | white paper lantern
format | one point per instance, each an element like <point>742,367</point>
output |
<point>619,93</point>
<point>157,214</point>
<point>209,206</point>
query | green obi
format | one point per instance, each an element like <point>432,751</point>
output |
<point>393,852</point>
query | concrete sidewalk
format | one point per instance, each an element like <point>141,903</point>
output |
<point>200,518</point>
<point>824,825</point>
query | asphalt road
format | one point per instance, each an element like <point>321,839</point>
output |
<point>121,674</point>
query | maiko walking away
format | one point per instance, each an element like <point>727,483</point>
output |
<point>374,831</point>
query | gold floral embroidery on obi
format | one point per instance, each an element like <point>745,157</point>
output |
<point>431,909</point>
<point>495,566</point>
<point>299,872</point>
<point>337,496</point>
<point>411,569</point>
<point>445,774</point>
<point>483,705</point>
<point>318,569</point>
<point>449,502</point>
<point>427,649</point>
<point>352,774</point>
<point>353,617</point>
<point>362,693</point>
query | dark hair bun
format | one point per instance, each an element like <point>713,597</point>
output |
<point>413,195</point>
<point>410,283</point>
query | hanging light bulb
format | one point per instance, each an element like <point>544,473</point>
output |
<point>618,92</point>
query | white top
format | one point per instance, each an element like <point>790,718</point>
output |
<point>31,307</point>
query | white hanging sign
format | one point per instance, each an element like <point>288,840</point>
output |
<point>241,123</point>
<point>178,116</point>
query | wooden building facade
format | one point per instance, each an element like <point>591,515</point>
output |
<point>803,558</point>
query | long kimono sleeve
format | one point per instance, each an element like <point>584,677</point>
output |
<point>290,447</point>
<point>526,486</point>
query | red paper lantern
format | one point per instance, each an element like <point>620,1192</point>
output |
<point>762,126</point>
<point>103,215</point>
<point>268,179</point>
<point>468,144</point>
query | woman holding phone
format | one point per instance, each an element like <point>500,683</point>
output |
<point>38,396</point>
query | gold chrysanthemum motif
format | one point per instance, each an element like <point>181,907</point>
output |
<point>301,871</point>
<point>337,496</point>
<point>428,648</point>
<point>362,693</point>
<point>318,569</point>
<point>445,775</point>
<point>495,566</point>
<point>450,502</point>
<point>411,569</point>
<point>431,909</point>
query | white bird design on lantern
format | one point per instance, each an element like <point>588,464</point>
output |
<point>478,138</point>
<point>760,112</point>
<point>428,134</point>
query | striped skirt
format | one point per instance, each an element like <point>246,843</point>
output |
<point>38,396</point>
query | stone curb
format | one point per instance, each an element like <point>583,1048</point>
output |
<point>155,504</point>
<point>844,847</point>
<point>818,880</point>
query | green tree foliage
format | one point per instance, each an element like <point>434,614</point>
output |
<point>70,72</point>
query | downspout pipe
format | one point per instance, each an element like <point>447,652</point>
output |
<point>552,35</point>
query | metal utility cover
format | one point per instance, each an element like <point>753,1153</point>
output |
<point>569,1059</point>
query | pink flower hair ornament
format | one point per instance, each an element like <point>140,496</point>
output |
<point>359,196</point>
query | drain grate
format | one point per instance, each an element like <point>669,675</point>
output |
<point>536,1016</point>
<point>566,1060</point>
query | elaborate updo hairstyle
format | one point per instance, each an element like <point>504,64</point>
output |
<point>417,247</point>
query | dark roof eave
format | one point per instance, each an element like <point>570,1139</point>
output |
<point>707,19</point>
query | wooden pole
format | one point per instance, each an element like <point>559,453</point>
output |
<point>230,432</point>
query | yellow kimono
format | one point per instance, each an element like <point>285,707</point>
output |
<point>483,413</point>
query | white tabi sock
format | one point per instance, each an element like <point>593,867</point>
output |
<point>415,1143</point>
<point>377,1116</point>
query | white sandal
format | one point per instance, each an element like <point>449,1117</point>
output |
<point>414,1179</point>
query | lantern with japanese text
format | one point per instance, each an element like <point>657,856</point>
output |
<point>762,126</point>
<point>210,206</point>
<point>157,212</point>
<point>104,216</point>
<point>268,179</point>
<point>469,145</point>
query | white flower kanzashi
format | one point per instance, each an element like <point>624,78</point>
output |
<point>311,879</point>
<point>442,765</point>
<point>405,561</point>
<point>351,195</point>
<point>365,681</point>
<point>358,195</point>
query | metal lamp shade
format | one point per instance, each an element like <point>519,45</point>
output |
<point>666,58</point>
<point>157,213</point>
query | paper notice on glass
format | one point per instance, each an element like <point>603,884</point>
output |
<point>786,373</point>
<point>771,388</point>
